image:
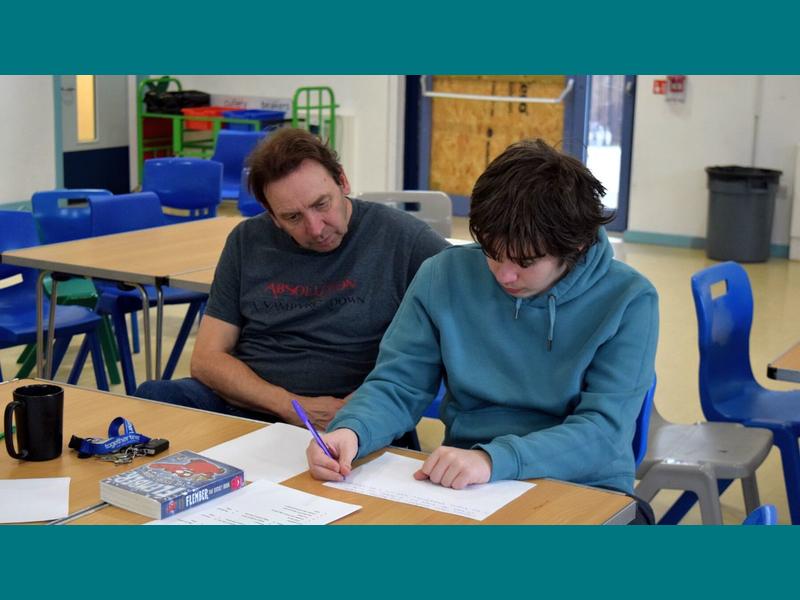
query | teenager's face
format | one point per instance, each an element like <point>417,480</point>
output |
<point>533,279</point>
<point>311,206</point>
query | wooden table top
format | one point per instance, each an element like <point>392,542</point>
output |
<point>787,366</point>
<point>141,256</point>
<point>87,413</point>
<point>195,281</point>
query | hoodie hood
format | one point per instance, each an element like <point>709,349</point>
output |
<point>591,267</point>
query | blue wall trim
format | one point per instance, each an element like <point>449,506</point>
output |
<point>23,205</point>
<point>685,241</point>
<point>663,239</point>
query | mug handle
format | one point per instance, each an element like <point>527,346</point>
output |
<point>9,431</point>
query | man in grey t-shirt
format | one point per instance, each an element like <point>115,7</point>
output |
<point>302,294</point>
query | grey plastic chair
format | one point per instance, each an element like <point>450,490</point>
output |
<point>435,208</point>
<point>696,457</point>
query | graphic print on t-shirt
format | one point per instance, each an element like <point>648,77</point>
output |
<point>283,296</point>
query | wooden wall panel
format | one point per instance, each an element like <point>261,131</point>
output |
<point>467,134</point>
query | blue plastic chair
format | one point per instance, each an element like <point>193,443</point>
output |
<point>643,425</point>
<point>129,212</point>
<point>60,222</point>
<point>248,205</point>
<point>728,390</point>
<point>18,306</point>
<point>232,148</point>
<point>766,514</point>
<point>193,185</point>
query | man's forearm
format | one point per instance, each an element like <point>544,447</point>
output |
<point>239,384</point>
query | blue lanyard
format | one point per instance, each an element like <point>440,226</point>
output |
<point>116,440</point>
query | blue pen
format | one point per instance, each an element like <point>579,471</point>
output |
<point>302,414</point>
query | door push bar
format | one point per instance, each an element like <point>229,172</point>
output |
<point>516,99</point>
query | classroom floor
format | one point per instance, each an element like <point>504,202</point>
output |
<point>776,326</point>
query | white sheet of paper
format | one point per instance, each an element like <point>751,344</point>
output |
<point>264,503</point>
<point>392,477</point>
<point>274,453</point>
<point>29,500</point>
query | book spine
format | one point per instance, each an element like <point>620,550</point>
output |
<point>201,495</point>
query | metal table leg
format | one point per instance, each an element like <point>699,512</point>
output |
<point>51,331</point>
<point>159,326</point>
<point>44,349</point>
<point>148,357</point>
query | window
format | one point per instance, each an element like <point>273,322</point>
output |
<point>85,106</point>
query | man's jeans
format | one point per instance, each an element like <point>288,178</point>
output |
<point>190,392</point>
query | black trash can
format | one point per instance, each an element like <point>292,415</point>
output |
<point>741,203</point>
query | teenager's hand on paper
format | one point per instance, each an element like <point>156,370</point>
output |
<point>456,468</point>
<point>320,410</point>
<point>343,444</point>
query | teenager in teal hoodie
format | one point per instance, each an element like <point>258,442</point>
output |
<point>545,342</point>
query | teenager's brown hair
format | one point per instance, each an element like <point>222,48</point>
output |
<point>533,200</point>
<point>281,153</point>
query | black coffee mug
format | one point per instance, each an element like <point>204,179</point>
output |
<point>39,411</point>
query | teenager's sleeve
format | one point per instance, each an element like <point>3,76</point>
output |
<point>223,300</point>
<point>601,427</point>
<point>406,376</point>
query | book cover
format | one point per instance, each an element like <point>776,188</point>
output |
<point>170,485</point>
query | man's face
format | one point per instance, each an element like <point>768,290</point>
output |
<point>524,282</point>
<point>310,206</point>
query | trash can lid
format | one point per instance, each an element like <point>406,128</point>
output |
<point>733,173</point>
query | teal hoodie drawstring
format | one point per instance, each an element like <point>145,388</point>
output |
<point>551,309</point>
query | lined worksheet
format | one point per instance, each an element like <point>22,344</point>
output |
<point>391,477</point>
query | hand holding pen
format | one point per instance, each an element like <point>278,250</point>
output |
<point>329,455</point>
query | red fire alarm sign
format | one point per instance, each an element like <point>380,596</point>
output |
<point>676,88</point>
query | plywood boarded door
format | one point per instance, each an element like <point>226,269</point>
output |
<point>467,134</point>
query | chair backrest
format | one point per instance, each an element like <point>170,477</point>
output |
<point>766,514</point>
<point>248,205</point>
<point>723,334</point>
<point>192,184</point>
<point>643,425</point>
<point>17,230</point>
<point>59,220</point>
<point>125,212</point>
<point>435,208</point>
<point>231,149</point>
